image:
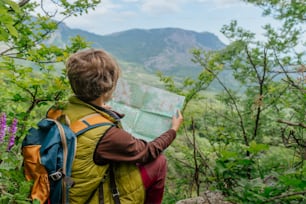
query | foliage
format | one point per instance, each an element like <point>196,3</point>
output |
<point>30,76</point>
<point>13,186</point>
<point>280,9</point>
<point>243,132</point>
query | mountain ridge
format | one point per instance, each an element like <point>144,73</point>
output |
<point>157,49</point>
<point>141,53</point>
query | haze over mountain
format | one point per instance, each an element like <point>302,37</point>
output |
<point>164,49</point>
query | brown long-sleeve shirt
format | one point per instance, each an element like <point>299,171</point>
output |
<point>119,145</point>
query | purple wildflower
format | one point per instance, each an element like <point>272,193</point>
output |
<point>2,127</point>
<point>12,132</point>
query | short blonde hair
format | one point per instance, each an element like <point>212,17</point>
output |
<point>92,73</point>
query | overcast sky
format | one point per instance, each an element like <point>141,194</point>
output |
<point>196,15</point>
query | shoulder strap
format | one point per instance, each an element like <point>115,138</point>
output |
<point>89,122</point>
<point>65,155</point>
<point>79,127</point>
<point>82,125</point>
<point>114,190</point>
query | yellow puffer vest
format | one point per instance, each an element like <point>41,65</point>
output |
<point>87,175</point>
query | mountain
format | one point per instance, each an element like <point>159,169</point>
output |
<point>164,49</point>
<point>143,52</point>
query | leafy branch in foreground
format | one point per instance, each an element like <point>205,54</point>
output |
<point>32,75</point>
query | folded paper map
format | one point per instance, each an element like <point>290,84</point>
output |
<point>148,110</point>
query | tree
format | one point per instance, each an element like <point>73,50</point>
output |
<point>290,39</point>
<point>29,63</point>
<point>251,126</point>
<point>31,75</point>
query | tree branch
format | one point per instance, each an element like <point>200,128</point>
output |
<point>290,80</point>
<point>235,105</point>
<point>23,2</point>
<point>292,123</point>
<point>46,12</point>
<point>284,196</point>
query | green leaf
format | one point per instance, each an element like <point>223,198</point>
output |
<point>12,30</point>
<point>291,180</point>
<point>256,148</point>
<point>13,5</point>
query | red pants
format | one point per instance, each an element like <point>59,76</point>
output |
<point>153,176</point>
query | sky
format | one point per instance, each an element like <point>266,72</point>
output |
<point>197,15</point>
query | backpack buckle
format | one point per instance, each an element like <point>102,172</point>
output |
<point>115,192</point>
<point>56,176</point>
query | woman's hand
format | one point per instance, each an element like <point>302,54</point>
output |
<point>177,120</point>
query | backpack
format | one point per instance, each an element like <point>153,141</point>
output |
<point>48,152</point>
